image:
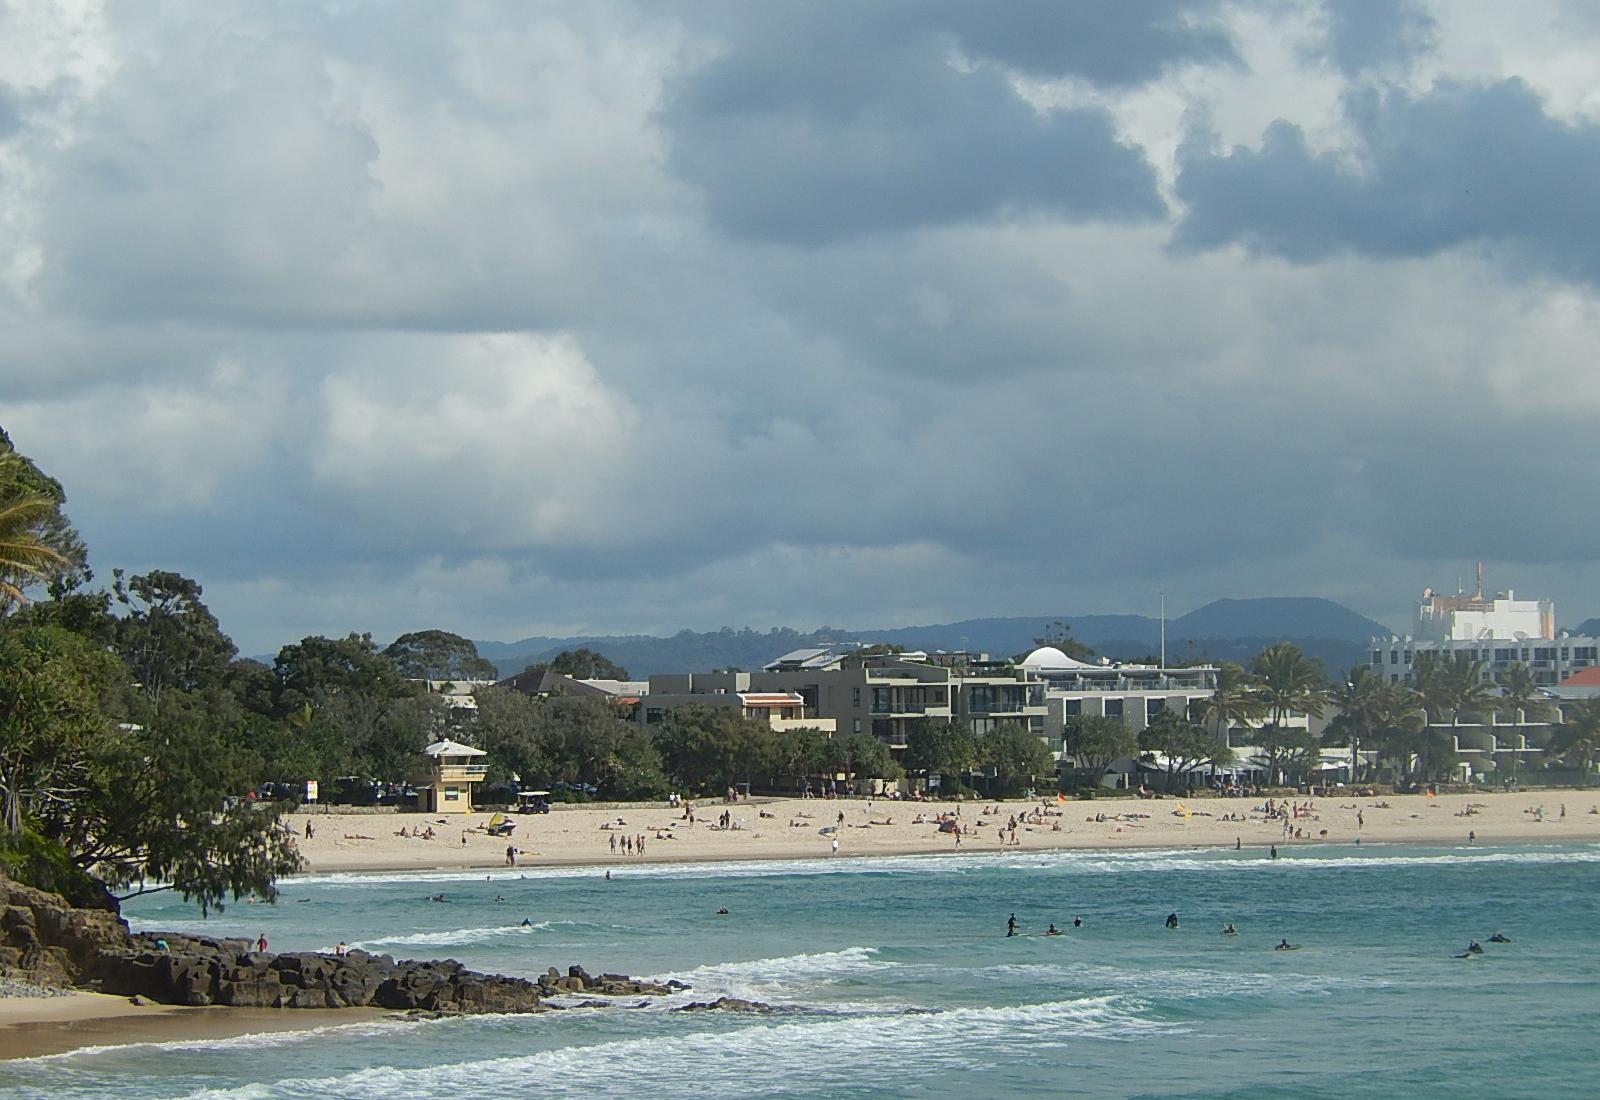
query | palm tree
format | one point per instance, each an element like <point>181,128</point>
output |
<point>1469,685</point>
<point>1577,740</point>
<point>1520,694</point>
<point>1234,702</point>
<point>25,555</point>
<point>1287,681</point>
<point>1364,701</point>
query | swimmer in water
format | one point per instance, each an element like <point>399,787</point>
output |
<point>527,923</point>
<point>1499,938</point>
<point>1475,948</point>
<point>1077,922</point>
<point>1229,930</point>
<point>722,912</point>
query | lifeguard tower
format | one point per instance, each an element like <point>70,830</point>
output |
<point>452,773</point>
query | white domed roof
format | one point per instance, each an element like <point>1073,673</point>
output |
<point>1048,657</point>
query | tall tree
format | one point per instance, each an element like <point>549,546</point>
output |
<point>36,542</point>
<point>1234,702</point>
<point>583,664</point>
<point>1362,701</point>
<point>710,747</point>
<point>1093,743</point>
<point>940,746</point>
<point>1522,697</point>
<point>438,655</point>
<point>1058,635</point>
<point>1577,740</point>
<point>1017,755</point>
<point>1183,745</point>
<point>1288,681</point>
<point>169,638</point>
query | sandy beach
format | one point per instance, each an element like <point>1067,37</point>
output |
<point>34,1026</point>
<point>791,828</point>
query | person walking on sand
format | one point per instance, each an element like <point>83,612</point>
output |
<point>835,845</point>
<point>309,831</point>
<point>511,855</point>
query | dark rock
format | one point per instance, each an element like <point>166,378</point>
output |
<point>728,1004</point>
<point>45,940</point>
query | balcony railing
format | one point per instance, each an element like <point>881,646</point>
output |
<point>460,773</point>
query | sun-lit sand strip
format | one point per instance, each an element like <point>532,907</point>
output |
<point>791,828</point>
<point>34,1026</point>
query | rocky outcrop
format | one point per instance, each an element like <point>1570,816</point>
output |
<point>730,1004</point>
<point>45,941</point>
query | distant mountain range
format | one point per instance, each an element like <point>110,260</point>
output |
<point>1224,630</point>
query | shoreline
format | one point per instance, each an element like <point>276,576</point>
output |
<point>788,829</point>
<point>573,837</point>
<point>33,1027</point>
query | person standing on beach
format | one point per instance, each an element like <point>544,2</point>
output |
<point>835,845</point>
<point>261,943</point>
<point>511,855</point>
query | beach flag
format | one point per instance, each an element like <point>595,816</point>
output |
<point>1060,797</point>
<point>1184,810</point>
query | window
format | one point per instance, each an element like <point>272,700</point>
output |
<point>452,794</point>
<point>1394,656</point>
<point>1505,655</point>
<point>1074,706</point>
<point>652,715</point>
<point>855,698</point>
<point>938,697</point>
<point>1113,708</point>
<point>1585,652</point>
<point>882,700</point>
<point>1153,708</point>
<point>1377,656</point>
<point>1545,653</point>
<point>1408,656</point>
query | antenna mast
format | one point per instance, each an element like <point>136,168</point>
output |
<point>1163,628</point>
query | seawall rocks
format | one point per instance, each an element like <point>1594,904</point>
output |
<point>46,942</point>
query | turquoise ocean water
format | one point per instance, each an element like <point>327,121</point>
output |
<point>898,980</point>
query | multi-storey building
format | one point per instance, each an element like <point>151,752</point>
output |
<point>1501,632</point>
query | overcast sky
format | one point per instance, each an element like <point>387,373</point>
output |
<point>520,319</point>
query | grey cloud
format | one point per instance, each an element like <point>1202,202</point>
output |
<point>1463,165</point>
<point>817,124</point>
<point>1374,34</point>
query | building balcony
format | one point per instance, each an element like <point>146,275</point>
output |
<point>460,773</point>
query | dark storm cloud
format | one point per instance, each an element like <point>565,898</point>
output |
<point>1373,34</point>
<point>817,124</point>
<point>1464,164</point>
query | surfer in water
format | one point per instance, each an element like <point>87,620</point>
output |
<point>1229,930</point>
<point>1474,948</point>
<point>1077,922</point>
<point>1499,938</point>
<point>1052,930</point>
<point>1172,920</point>
<point>1011,925</point>
<point>1285,945</point>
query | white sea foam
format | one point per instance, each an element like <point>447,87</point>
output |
<point>1065,859</point>
<point>754,1060</point>
<point>255,1040</point>
<point>464,935</point>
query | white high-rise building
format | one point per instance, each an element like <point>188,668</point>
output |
<point>1463,618</point>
